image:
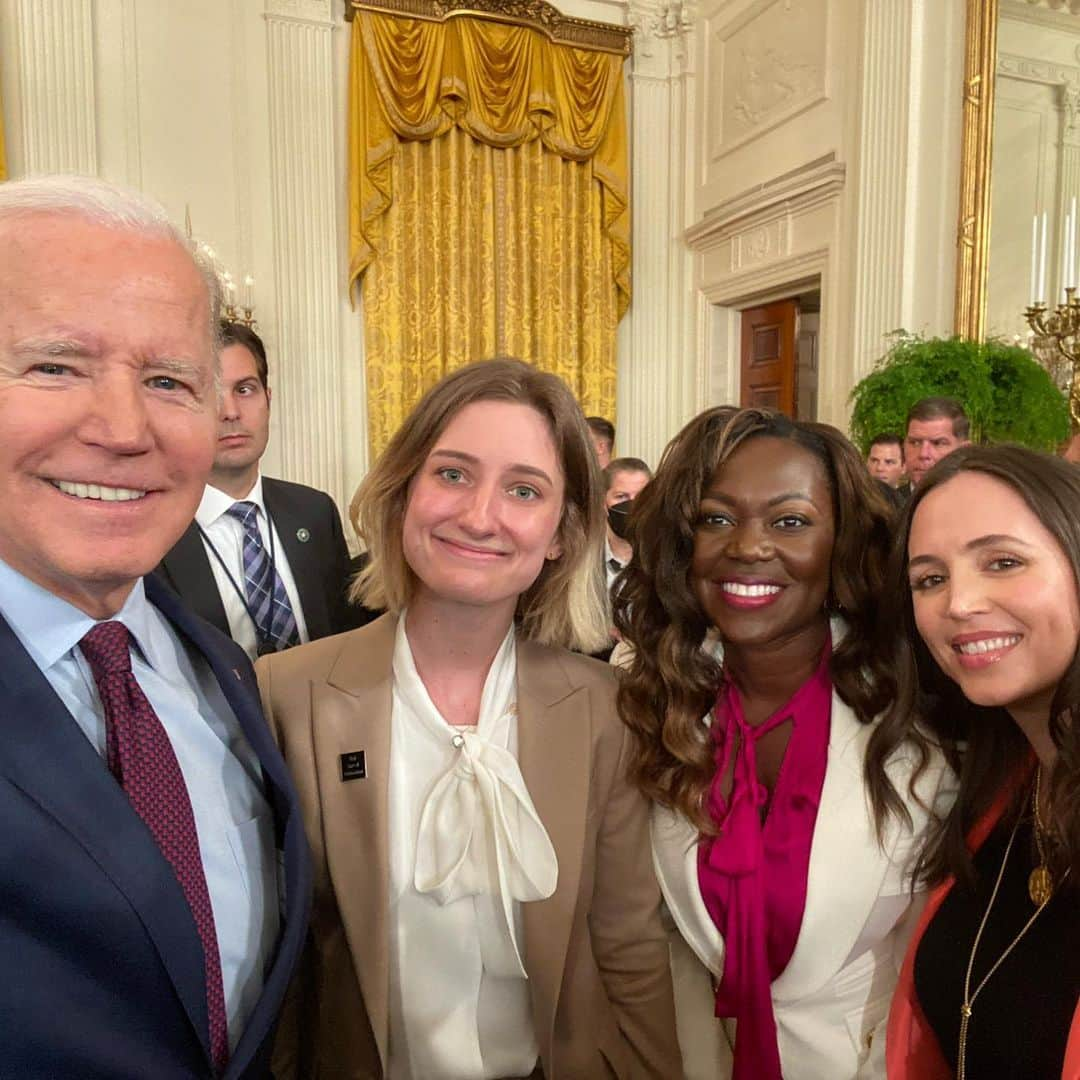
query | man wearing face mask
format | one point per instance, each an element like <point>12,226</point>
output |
<point>625,477</point>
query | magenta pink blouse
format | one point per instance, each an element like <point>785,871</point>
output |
<point>752,875</point>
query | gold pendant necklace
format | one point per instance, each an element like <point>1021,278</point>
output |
<point>969,997</point>
<point>1040,881</point>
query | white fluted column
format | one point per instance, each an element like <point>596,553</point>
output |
<point>658,376</point>
<point>56,85</point>
<point>306,233</point>
<point>882,225</point>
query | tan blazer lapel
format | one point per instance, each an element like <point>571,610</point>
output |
<point>555,755</point>
<point>353,714</point>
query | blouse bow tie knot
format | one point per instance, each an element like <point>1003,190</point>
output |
<point>480,834</point>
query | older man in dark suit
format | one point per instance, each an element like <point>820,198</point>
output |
<point>154,881</point>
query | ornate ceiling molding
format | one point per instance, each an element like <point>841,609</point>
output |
<point>1055,14</point>
<point>535,14</point>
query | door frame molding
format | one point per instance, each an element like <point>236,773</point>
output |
<point>719,321</point>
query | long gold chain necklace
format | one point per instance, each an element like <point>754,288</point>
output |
<point>1044,899</point>
<point>1040,881</point>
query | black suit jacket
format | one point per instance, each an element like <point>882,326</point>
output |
<point>308,524</point>
<point>103,965</point>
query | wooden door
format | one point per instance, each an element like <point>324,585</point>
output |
<point>769,356</point>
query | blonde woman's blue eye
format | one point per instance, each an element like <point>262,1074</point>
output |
<point>452,475</point>
<point>523,491</point>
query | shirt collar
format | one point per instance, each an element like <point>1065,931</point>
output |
<point>609,555</point>
<point>49,627</point>
<point>216,502</point>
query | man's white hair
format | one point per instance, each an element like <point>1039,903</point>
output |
<point>112,207</point>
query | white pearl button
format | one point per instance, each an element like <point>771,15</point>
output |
<point>457,742</point>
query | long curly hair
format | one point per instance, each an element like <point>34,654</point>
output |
<point>671,682</point>
<point>994,747</point>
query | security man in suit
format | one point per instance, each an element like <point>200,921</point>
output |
<point>264,560</point>
<point>154,878</point>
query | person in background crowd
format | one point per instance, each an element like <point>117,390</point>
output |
<point>154,880</point>
<point>983,589</point>
<point>936,426</point>
<point>886,459</point>
<point>1070,448</point>
<point>265,561</point>
<point>603,438</point>
<point>485,900</point>
<point>786,815</point>
<point>624,478</point>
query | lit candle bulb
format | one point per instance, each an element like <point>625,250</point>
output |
<point>1042,260</point>
<point>1071,279</point>
<point>1066,252</point>
<point>1034,259</point>
<point>249,291</point>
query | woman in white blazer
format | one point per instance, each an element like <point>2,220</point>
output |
<point>786,818</point>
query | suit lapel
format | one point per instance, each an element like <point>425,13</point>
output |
<point>353,711</point>
<point>306,560</point>
<point>555,755</point>
<point>187,568</point>
<point>675,861</point>
<point>844,848</point>
<point>234,674</point>
<point>47,756</point>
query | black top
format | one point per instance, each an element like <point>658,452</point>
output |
<point>1020,1021</point>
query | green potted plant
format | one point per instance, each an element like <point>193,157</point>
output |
<point>1007,394</point>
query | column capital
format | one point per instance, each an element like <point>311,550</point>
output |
<point>314,12</point>
<point>1069,103</point>
<point>662,30</point>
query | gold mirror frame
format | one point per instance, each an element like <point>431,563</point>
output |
<point>973,237</point>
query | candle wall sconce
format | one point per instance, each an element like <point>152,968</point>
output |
<point>1055,329</point>
<point>238,306</point>
<point>1057,344</point>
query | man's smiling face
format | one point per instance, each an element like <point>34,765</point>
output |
<point>108,408</point>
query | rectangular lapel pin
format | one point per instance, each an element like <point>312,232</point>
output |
<point>353,765</point>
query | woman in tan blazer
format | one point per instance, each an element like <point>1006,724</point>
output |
<point>485,905</point>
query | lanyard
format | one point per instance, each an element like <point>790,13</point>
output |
<point>263,645</point>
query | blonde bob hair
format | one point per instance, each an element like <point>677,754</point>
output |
<point>567,604</point>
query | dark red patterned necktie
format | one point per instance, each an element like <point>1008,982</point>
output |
<point>143,762</point>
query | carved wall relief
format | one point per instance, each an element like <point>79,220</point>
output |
<point>770,65</point>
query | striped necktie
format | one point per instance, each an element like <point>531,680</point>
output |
<point>268,602</point>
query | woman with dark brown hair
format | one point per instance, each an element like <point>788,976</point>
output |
<point>783,826</point>
<point>984,578</point>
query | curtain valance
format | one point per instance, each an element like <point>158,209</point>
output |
<point>505,85</point>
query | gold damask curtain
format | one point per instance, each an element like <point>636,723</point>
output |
<point>489,206</point>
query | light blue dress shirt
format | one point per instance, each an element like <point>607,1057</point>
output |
<point>222,772</point>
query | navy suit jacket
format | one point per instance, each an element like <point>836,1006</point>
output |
<point>102,963</point>
<point>319,562</point>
